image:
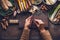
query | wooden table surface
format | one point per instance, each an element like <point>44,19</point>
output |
<point>14,31</point>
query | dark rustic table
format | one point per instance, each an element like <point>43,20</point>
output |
<point>14,31</point>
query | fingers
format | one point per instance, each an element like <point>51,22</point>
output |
<point>38,21</point>
<point>28,21</point>
<point>37,24</point>
<point>29,18</point>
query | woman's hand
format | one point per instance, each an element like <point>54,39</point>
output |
<point>28,22</point>
<point>44,33</point>
<point>39,24</point>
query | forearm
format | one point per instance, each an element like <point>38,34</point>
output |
<point>46,35</point>
<point>25,34</point>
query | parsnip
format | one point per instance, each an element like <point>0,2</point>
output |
<point>4,5</point>
<point>3,26</point>
<point>8,3</point>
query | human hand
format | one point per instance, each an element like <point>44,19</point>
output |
<point>39,24</point>
<point>28,22</point>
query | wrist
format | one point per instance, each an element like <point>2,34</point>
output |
<point>42,31</point>
<point>26,27</point>
<point>41,27</point>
